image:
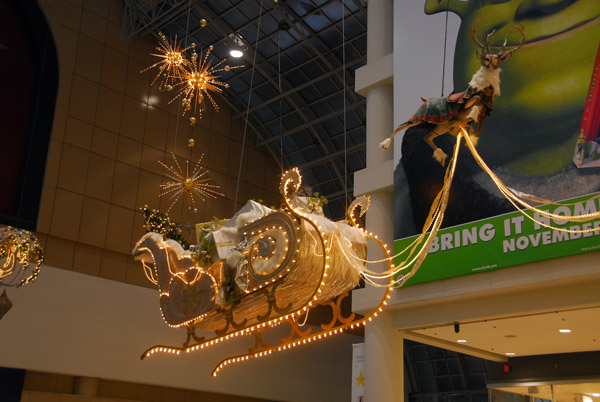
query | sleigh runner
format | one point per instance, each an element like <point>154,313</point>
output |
<point>280,264</point>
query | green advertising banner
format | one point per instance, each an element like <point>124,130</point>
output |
<point>542,135</point>
<point>507,240</point>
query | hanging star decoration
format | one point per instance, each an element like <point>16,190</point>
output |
<point>194,77</point>
<point>198,80</point>
<point>172,63</point>
<point>182,183</point>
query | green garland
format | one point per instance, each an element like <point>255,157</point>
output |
<point>158,222</point>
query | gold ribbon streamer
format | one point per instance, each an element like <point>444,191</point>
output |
<point>515,199</point>
<point>429,232</point>
<point>420,246</point>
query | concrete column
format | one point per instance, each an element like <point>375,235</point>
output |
<point>380,24</point>
<point>384,352</point>
<point>384,360</point>
<point>384,357</point>
<point>380,123</point>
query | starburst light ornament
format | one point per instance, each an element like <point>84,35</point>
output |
<point>197,82</point>
<point>172,64</point>
<point>182,183</point>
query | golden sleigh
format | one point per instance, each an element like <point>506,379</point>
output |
<point>280,264</point>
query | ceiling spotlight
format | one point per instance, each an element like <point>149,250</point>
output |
<point>564,331</point>
<point>461,341</point>
<point>596,394</point>
<point>509,354</point>
<point>237,53</point>
<point>238,46</point>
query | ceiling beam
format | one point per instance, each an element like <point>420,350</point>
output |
<point>268,77</point>
<point>300,87</point>
<point>306,105</point>
<point>312,123</point>
<point>332,155</point>
<point>143,20</point>
<point>314,35</point>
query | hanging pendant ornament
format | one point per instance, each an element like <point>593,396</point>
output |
<point>181,182</point>
<point>21,257</point>
<point>172,64</point>
<point>198,81</point>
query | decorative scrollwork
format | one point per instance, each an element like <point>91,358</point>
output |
<point>292,177</point>
<point>231,322</point>
<point>273,248</point>
<point>295,329</point>
<point>364,202</point>
<point>272,302</point>
<point>258,342</point>
<point>191,334</point>
<point>336,309</point>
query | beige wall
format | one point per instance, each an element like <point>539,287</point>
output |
<point>86,318</point>
<point>70,323</point>
<point>110,129</point>
<point>44,387</point>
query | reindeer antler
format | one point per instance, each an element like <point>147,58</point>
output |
<point>486,47</point>
<point>473,32</point>
<point>505,52</point>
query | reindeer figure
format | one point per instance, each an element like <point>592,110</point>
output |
<point>465,108</point>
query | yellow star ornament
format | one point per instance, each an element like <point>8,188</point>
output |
<point>360,380</point>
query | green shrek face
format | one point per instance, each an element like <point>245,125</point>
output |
<point>534,125</point>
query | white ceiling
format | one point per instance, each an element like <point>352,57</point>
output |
<point>562,392</point>
<point>527,335</point>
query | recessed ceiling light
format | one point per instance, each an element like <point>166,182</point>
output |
<point>461,341</point>
<point>509,354</point>
<point>596,394</point>
<point>236,53</point>
<point>564,331</point>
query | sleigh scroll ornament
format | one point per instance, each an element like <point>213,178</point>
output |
<point>261,269</point>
